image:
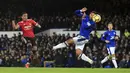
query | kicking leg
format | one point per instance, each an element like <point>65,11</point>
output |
<point>83,56</point>
<point>64,44</point>
<point>111,52</point>
<point>105,59</point>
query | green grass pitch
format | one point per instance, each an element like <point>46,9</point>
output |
<point>62,70</point>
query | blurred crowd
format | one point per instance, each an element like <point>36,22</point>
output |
<point>54,21</point>
<point>70,21</point>
<point>61,15</point>
<point>5,21</point>
<point>13,51</point>
<point>121,22</point>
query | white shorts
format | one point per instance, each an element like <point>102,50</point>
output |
<point>111,50</point>
<point>80,42</point>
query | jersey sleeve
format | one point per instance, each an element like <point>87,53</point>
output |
<point>103,36</point>
<point>33,22</point>
<point>115,33</point>
<point>78,13</point>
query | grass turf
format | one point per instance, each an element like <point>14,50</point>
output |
<point>62,70</point>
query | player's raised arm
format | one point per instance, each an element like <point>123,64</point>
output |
<point>81,12</point>
<point>15,26</point>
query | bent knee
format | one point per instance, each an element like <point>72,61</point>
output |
<point>112,56</point>
<point>70,41</point>
<point>78,52</point>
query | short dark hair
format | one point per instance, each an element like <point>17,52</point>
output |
<point>24,13</point>
<point>110,23</point>
<point>94,12</point>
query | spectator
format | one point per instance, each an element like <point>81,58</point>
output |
<point>126,33</point>
<point>1,61</point>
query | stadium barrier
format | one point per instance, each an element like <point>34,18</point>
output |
<point>64,31</point>
<point>50,32</point>
<point>48,63</point>
<point>10,33</point>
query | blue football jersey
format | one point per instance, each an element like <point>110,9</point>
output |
<point>110,36</point>
<point>87,25</point>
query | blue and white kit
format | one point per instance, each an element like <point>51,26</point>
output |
<point>87,26</point>
<point>110,36</point>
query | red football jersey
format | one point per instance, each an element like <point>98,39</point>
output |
<point>27,27</point>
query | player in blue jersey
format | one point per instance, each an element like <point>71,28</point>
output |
<point>87,25</point>
<point>110,37</point>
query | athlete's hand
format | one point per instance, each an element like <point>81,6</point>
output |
<point>84,9</point>
<point>13,21</point>
<point>15,26</point>
<point>116,38</point>
<point>107,41</point>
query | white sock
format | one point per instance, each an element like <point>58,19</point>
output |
<point>114,62</point>
<point>104,60</point>
<point>61,45</point>
<point>85,58</point>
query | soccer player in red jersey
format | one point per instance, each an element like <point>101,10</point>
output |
<point>26,26</point>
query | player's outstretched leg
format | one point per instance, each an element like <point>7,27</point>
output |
<point>111,52</point>
<point>83,56</point>
<point>105,59</point>
<point>64,44</point>
<point>110,57</point>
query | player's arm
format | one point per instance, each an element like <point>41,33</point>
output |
<point>81,12</point>
<point>15,26</point>
<point>103,38</point>
<point>116,36</point>
<point>36,24</point>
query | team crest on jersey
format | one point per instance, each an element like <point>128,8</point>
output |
<point>88,23</point>
<point>114,33</point>
<point>30,24</point>
<point>28,27</point>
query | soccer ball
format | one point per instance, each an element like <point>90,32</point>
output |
<point>96,18</point>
